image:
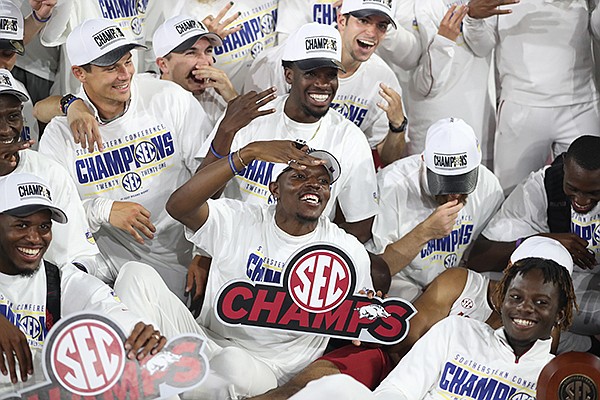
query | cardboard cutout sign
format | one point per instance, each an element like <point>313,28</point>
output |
<point>317,296</point>
<point>83,356</point>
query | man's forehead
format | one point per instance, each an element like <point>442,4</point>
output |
<point>10,100</point>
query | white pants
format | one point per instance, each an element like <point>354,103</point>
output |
<point>527,136</point>
<point>233,372</point>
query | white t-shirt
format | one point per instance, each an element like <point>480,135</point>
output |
<point>260,252</point>
<point>258,19</point>
<point>461,358</point>
<point>148,154</point>
<point>292,14</point>
<point>473,300</point>
<point>355,190</point>
<point>72,241</point>
<point>543,51</point>
<point>449,81</point>
<point>405,202</point>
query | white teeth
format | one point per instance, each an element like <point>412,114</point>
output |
<point>30,252</point>
<point>366,42</point>
<point>9,141</point>
<point>122,86</point>
<point>523,322</point>
<point>319,97</point>
<point>310,198</point>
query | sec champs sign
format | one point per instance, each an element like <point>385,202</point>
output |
<point>84,357</point>
<point>317,296</point>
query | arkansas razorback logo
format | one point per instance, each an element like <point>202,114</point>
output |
<point>317,296</point>
<point>84,357</point>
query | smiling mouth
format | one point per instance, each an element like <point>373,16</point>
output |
<point>365,44</point>
<point>523,323</point>
<point>122,87</point>
<point>29,252</point>
<point>311,199</point>
<point>318,97</point>
<point>580,208</point>
<point>9,141</point>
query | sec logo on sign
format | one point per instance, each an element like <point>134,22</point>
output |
<point>87,357</point>
<point>320,278</point>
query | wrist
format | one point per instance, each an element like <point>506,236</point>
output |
<point>39,18</point>
<point>398,128</point>
<point>66,101</point>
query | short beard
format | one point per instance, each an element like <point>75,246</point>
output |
<point>306,219</point>
<point>29,273</point>
<point>314,113</point>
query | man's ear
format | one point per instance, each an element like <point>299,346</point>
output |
<point>162,65</point>
<point>79,73</point>
<point>560,318</point>
<point>274,188</point>
<point>289,75</point>
<point>342,20</point>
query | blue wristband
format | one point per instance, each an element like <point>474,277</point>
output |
<point>38,19</point>
<point>214,152</point>
<point>232,164</point>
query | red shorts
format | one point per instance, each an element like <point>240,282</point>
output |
<point>368,366</point>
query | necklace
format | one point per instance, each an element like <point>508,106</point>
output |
<point>292,131</point>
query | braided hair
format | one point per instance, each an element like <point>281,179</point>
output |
<point>553,272</point>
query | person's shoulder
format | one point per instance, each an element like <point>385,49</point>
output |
<point>404,171</point>
<point>40,164</point>
<point>376,64</point>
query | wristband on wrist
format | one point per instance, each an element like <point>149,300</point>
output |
<point>214,152</point>
<point>38,19</point>
<point>518,243</point>
<point>66,101</point>
<point>401,128</point>
<point>232,165</point>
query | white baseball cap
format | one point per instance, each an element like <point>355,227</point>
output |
<point>314,46</point>
<point>25,194</point>
<point>99,42</point>
<point>331,164</point>
<point>364,8</point>
<point>452,156</point>
<point>543,247</point>
<point>179,33</point>
<point>7,86</point>
<point>11,27</point>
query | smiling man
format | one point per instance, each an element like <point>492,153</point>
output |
<point>368,92</point>
<point>35,294</point>
<point>311,63</point>
<point>561,202</point>
<point>255,360</point>
<point>151,130</point>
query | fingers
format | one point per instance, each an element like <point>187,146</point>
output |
<point>144,340</point>
<point>223,11</point>
<point>23,354</point>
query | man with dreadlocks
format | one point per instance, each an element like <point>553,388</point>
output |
<point>464,357</point>
<point>559,201</point>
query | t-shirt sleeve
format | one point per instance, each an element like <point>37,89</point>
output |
<point>523,212</point>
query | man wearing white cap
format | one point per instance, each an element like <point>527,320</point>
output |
<point>184,48</point>
<point>433,206</point>
<point>259,242</point>
<point>35,294</point>
<point>559,201</point>
<point>151,130</point>
<point>311,63</point>
<point>73,240</point>
<point>464,357</point>
<point>368,92</point>
<point>12,33</point>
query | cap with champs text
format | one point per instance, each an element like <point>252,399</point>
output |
<point>314,46</point>
<point>452,156</point>
<point>25,194</point>
<point>99,42</point>
<point>179,33</point>
<point>331,164</point>
<point>543,247</point>
<point>7,86</point>
<point>11,27</point>
<point>365,8</point>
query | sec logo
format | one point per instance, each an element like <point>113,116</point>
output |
<point>320,278</point>
<point>131,182</point>
<point>256,49</point>
<point>145,152</point>
<point>450,260</point>
<point>88,357</point>
<point>466,303</point>
<point>267,24</point>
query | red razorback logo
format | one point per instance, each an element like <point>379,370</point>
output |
<point>317,296</point>
<point>84,355</point>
